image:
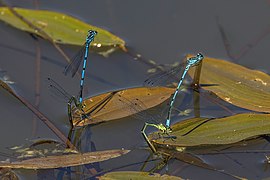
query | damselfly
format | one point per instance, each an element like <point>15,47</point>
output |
<point>171,74</point>
<point>193,61</point>
<point>76,61</point>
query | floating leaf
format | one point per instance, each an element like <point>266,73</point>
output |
<point>243,87</point>
<point>64,160</point>
<point>134,175</point>
<point>106,107</point>
<point>61,28</point>
<point>238,147</point>
<point>204,131</point>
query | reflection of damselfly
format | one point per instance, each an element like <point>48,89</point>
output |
<point>77,59</point>
<point>182,69</point>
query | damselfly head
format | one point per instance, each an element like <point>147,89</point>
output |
<point>161,127</point>
<point>200,56</point>
<point>168,129</point>
<point>92,33</point>
<point>193,61</point>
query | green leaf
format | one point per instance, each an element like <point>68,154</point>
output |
<point>119,104</point>
<point>49,162</point>
<point>204,131</point>
<point>61,28</point>
<point>134,175</point>
<point>235,84</point>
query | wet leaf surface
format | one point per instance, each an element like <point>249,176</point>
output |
<point>235,84</point>
<point>61,28</point>
<point>112,108</point>
<point>135,175</point>
<point>64,160</point>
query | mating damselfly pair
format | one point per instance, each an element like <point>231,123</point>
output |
<point>179,71</point>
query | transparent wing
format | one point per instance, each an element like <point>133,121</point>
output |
<point>165,78</point>
<point>73,66</point>
<point>99,105</point>
<point>140,111</point>
<point>57,91</point>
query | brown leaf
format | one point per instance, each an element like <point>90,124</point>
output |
<point>50,162</point>
<point>112,108</point>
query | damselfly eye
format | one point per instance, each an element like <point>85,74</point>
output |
<point>92,32</point>
<point>199,55</point>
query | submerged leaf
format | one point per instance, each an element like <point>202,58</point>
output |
<point>61,28</point>
<point>64,160</point>
<point>8,174</point>
<point>186,157</point>
<point>108,106</point>
<point>235,84</point>
<point>204,131</point>
<point>134,175</point>
<point>192,159</point>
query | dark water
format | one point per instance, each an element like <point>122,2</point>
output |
<point>160,30</point>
